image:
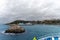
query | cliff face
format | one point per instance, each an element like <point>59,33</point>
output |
<point>14,26</point>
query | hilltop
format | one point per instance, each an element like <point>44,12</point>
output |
<point>36,22</point>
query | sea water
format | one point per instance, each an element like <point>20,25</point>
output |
<point>40,31</point>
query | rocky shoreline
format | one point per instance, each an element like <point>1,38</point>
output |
<point>15,29</point>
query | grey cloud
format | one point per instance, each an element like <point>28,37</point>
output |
<point>29,10</point>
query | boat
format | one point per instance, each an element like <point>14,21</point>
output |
<point>50,38</point>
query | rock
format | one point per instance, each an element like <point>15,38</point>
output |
<point>19,30</point>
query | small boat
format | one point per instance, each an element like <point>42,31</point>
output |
<point>50,38</point>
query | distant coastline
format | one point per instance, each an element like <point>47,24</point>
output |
<point>55,22</point>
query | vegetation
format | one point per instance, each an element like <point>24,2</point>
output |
<point>36,22</point>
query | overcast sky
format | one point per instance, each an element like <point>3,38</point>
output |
<point>11,10</point>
